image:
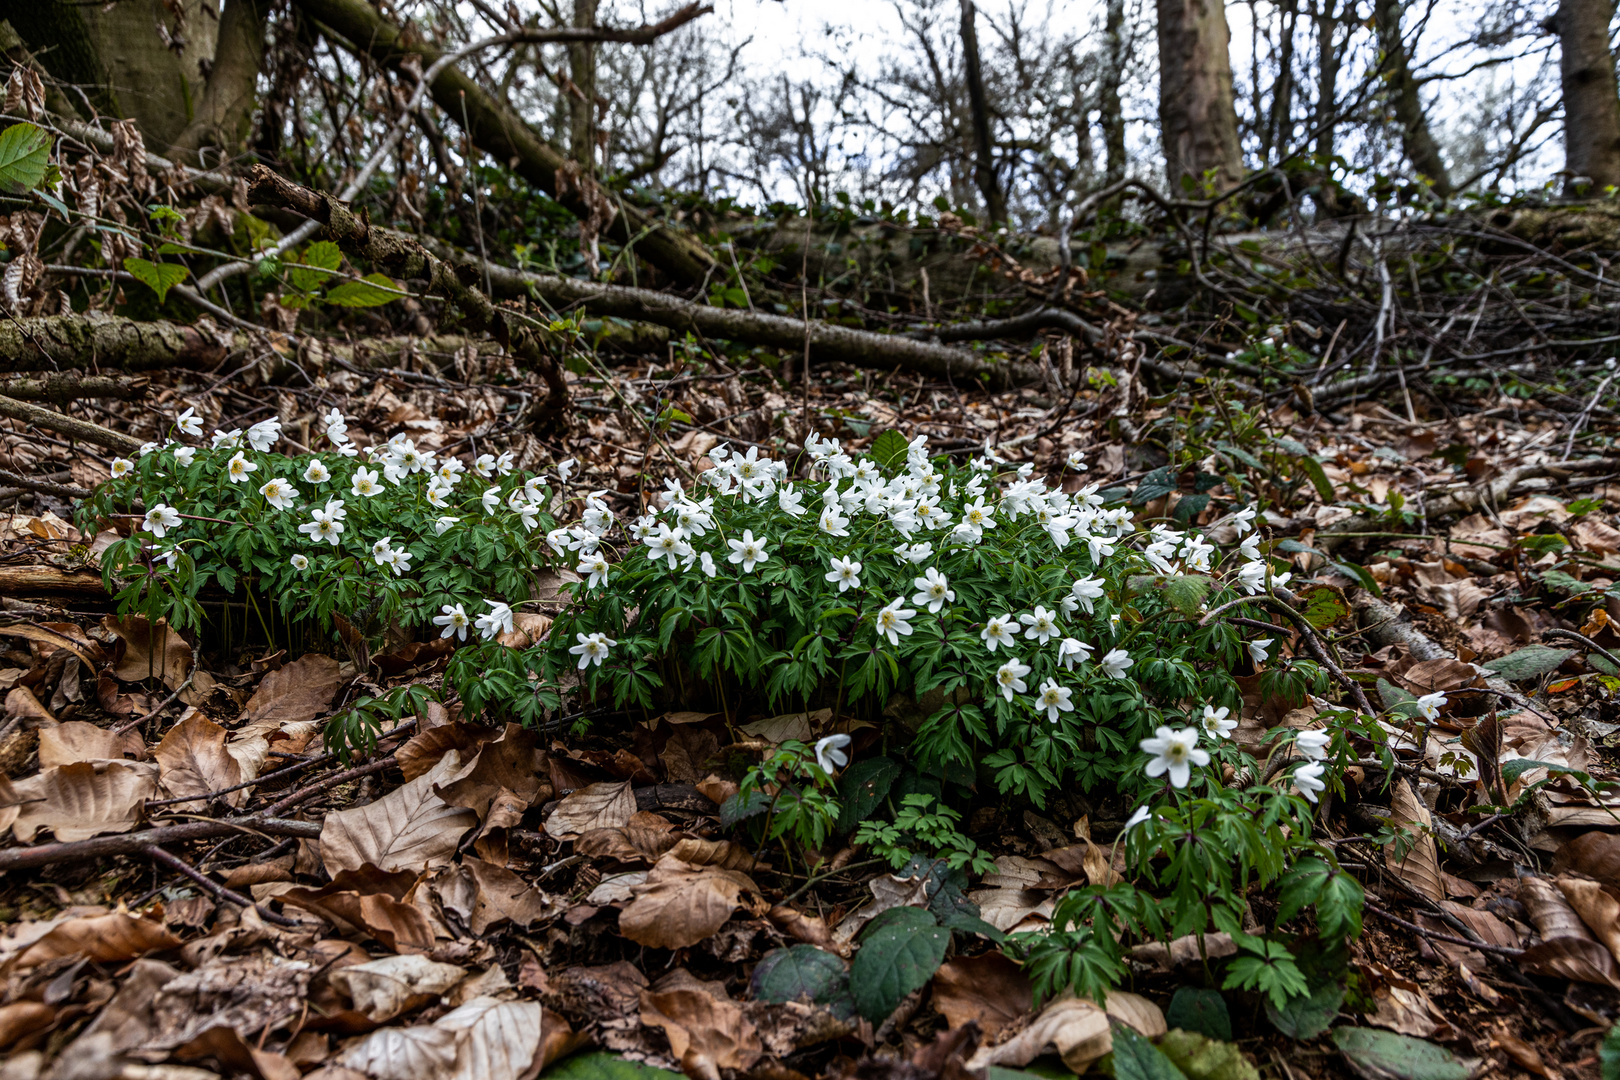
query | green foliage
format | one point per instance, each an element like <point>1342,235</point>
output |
<point>1204,1011</point>
<point>600,1065</point>
<point>804,973</point>
<point>927,825</point>
<point>1137,1059</point>
<point>25,156</point>
<point>1309,1015</point>
<point>1530,662</point>
<point>1383,1053</point>
<point>901,948</point>
<point>159,277</point>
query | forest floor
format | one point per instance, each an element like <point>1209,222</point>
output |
<point>451,906</point>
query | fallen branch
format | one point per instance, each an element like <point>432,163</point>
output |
<point>72,427</point>
<point>136,843</point>
<point>53,342</point>
<point>220,892</point>
<point>44,487</point>
<point>64,387</point>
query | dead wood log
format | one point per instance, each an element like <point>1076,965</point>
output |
<point>70,426</point>
<point>53,342</point>
<point>43,485</point>
<point>498,131</point>
<point>64,387</point>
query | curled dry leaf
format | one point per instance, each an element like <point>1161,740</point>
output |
<point>238,993</point>
<point>1137,1013</point>
<point>83,800</point>
<point>147,652</point>
<point>484,1039</point>
<point>1595,854</point>
<point>1550,910</point>
<point>989,989</point>
<point>1578,958</point>
<point>1419,866</point>
<point>75,740</point>
<point>108,939</point>
<point>606,805</point>
<point>22,704</point>
<point>1597,905</point>
<point>1191,949</point>
<point>423,750</point>
<point>513,762</point>
<point>410,828</point>
<point>502,896</point>
<point>295,693</point>
<point>194,762</point>
<point>811,929</point>
<point>680,904</point>
<point>705,1034</point>
<point>723,854</point>
<point>381,989</point>
<point>1075,1029</point>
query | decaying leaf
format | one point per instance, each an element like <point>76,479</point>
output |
<point>83,800</point>
<point>989,989</point>
<point>296,693</point>
<point>1419,866</point>
<point>381,989</point>
<point>111,938</point>
<point>194,762</point>
<point>75,741</point>
<point>410,828</point>
<point>1598,905</point>
<point>484,1039</point>
<point>147,652</point>
<point>680,904</point>
<point>605,805</point>
<point>706,1034</point>
<point>1075,1029</point>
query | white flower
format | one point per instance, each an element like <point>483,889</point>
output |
<point>506,462</point>
<point>491,498</point>
<point>237,469</point>
<point>748,552</point>
<point>1174,753</point>
<point>317,472</point>
<point>263,435</point>
<point>437,494</point>
<point>497,620</point>
<point>1054,699</point>
<point>160,519</point>
<point>1257,650</point>
<point>665,544</point>
<point>1196,552</point>
<point>592,649</point>
<point>148,448</point>
<point>1252,577</point>
<point>454,620</point>
<point>916,554</point>
<point>565,469</point>
<point>832,522</point>
<point>279,494</point>
<point>300,562</point>
<point>449,471</point>
<point>1040,626</point>
<point>484,465</point>
<point>893,621</point>
<point>1243,520</point>
<point>1313,744</point>
<point>830,752</point>
<point>227,440</point>
<point>184,456</point>
<point>382,550</point>
<point>1010,678</point>
<point>978,516</point>
<point>789,500</point>
<point>399,560</point>
<point>1139,815</point>
<point>322,526</point>
<point>121,467</point>
<point>1077,461</point>
<point>1308,779</point>
<point>933,590</point>
<point>1072,651</point>
<point>1115,662</point>
<point>1086,591</point>
<point>1250,548</point>
<point>998,631</point>
<point>597,567</point>
<point>846,572</point>
<point>189,423</point>
<point>443,524</point>
<point>706,561</point>
<point>334,508</point>
<point>529,514</point>
<point>1428,706</point>
<point>1216,723</point>
<point>364,482</point>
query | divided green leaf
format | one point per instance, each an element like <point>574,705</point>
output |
<point>1324,605</point>
<point>159,277</point>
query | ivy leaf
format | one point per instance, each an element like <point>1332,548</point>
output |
<point>25,154</point>
<point>889,448</point>
<point>1203,1011</point>
<point>1186,593</point>
<point>863,787</point>
<point>900,951</point>
<point>159,277</point>
<point>373,290</point>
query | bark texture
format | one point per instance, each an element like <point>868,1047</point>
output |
<point>1416,139</point>
<point>225,114</point>
<point>1110,109</point>
<point>984,159</point>
<point>582,98</point>
<point>1591,97</point>
<point>105,341</point>
<point>1197,114</point>
<point>500,132</point>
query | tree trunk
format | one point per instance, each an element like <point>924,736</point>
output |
<point>1416,139</point>
<point>984,162</point>
<point>1111,112</point>
<point>582,107</point>
<point>1591,98</point>
<point>1329,60</point>
<point>1197,115</point>
<point>225,114</point>
<point>1280,128</point>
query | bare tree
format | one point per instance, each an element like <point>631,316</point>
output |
<point>1197,114</point>
<point>984,158</point>
<point>1416,139</point>
<point>1591,99</point>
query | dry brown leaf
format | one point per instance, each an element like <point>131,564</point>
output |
<point>502,896</point>
<point>687,753</point>
<point>616,888</point>
<point>1137,1013</point>
<point>807,928</point>
<point>1578,958</point>
<point>147,653</point>
<point>1597,905</point>
<point>1420,866</point>
<point>410,828</point>
<point>779,729</point>
<point>1595,854</point>
<point>1191,949</point>
<point>109,939</point>
<point>239,993</point>
<point>989,989</point>
<point>295,693</point>
<point>59,636</point>
<point>513,762</point>
<point>424,750</point>
<point>680,905</point>
<point>22,1018</point>
<point>194,762</point>
<point>75,740</point>
<point>1006,908</point>
<point>484,1039</point>
<point>1075,1029</point>
<point>706,1034</point>
<point>1550,911</point>
<point>606,805</point>
<point>724,854</point>
<point>381,989</point>
<point>21,703</point>
<point>400,926</point>
<point>83,800</point>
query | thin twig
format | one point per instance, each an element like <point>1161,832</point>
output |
<point>220,892</point>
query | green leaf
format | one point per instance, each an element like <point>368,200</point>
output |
<point>737,808</point>
<point>373,290</point>
<point>25,154</point>
<point>598,1065</point>
<point>899,953</point>
<point>1205,1058</point>
<point>1186,593</point>
<point>889,448</point>
<point>1313,469</point>
<point>1512,770</point>
<point>1324,605</point>
<point>323,255</point>
<point>1203,1011</point>
<point>863,787</point>
<point>1361,574</point>
<point>1609,1055</point>
<point>1156,484</point>
<point>1307,1016</point>
<point>1529,662</point>
<point>1137,1059</point>
<point>159,277</point>
<point>1397,1057</point>
<point>803,973</point>
<point>1393,695</point>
